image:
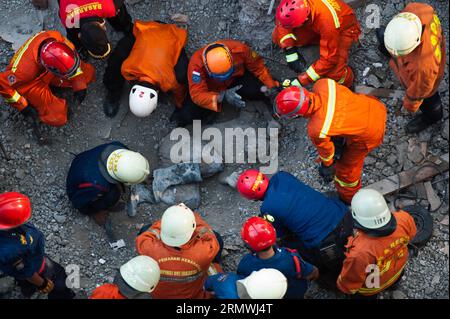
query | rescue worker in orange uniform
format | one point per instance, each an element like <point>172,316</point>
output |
<point>153,58</point>
<point>414,41</point>
<point>344,126</point>
<point>46,60</point>
<point>136,279</point>
<point>227,70</point>
<point>85,23</point>
<point>330,23</point>
<point>377,252</point>
<point>186,249</point>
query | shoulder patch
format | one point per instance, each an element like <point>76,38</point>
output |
<point>196,77</point>
<point>11,79</point>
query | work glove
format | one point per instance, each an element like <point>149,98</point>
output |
<point>232,97</point>
<point>80,95</point>
<point>47,286</point>
<point>30,112</point>
<point>291,82</point>
<point>327,172</point>
<point>295,61</point>
<point>272,92</point>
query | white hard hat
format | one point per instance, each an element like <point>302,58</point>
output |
<point>266,283</point>
<point>143,100</point>
<point>141,273</point>
<point>370,210</point>
<point>403,34</point>
<point>127,166</point>
<point>177,225</point>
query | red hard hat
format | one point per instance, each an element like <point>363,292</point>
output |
<point>60,59</point>
<point>291,102</point>
<point>258,233</point>
<point>252,184</point>
<point>15,210</point>
<point>292,13</point>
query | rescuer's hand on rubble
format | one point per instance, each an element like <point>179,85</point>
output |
<point>327,172</point>
<point>47,286</point>
<point>314,275</point>
<point>232,97</point>
<point>295,61</point>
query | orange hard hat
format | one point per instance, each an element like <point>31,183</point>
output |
<point>218,61</point>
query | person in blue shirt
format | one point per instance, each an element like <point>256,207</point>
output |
<point>22,251</point>
<point>267,283</point>
<point>260,236</point>
<point>97,178</point>
<point>304,219</point>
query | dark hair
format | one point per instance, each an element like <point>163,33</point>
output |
<point>93,37</point>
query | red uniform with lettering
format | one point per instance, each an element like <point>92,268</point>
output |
<point>71,11</point>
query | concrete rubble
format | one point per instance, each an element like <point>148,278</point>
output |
<point>40,171</point>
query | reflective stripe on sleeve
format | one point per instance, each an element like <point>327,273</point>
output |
<point>14,98</point>
<point>312,74</point>
<point>330,109</point>
<point>291,57</point>
<point>21,51</point>
<point>333,13</point>
<point>288,36</point>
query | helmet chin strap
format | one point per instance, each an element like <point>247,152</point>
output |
<point>101,56</point>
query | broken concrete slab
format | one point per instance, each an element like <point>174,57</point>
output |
<point>379,92</point>
<point>188,194</point>
<point>182,173</point>
<point>179,18</point>
<point>415,175</point>
<point>433,199</point>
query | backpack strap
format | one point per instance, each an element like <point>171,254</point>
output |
<point>298,267</point>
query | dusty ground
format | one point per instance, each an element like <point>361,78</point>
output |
<point>73,239</point>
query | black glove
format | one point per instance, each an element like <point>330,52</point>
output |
<point>295,61</point>
<point>30,112</point>
<point>327,172</point>
<point>80,95</point>
<point>232,97</point>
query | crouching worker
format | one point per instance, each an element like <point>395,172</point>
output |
<point>304,219</point>
<point>185,247</point>
<point>97,178</point>
<point>261,284</point>
<point>152,59</point>
<point>260,236</point>
<point>135,280</point>
<point>377,253</point>
<point>226,70</point>
<point>337,119</point>
<point>46,60</point>
<point>22,251</point>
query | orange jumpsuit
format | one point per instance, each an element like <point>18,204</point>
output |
<point>183,270</point>
<point>421,71</point>
<point>107,291</point>
<point>360,119</point>
<point>333,25</point>
<point>389,253</point>
<point>154,56</point>
<point>26,82</point>
<point>205,91</point>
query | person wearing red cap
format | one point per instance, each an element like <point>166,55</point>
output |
<point>304,219</point>
<point>344,126</point>
<point>330,23</point>
<point>260,236</point>
<point>22,251</point>
<point>46,60</point>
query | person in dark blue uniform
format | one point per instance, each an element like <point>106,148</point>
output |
<point>260,236</point>
<point>223,285</point>
<point>304,219</point>
<point>22,251</point>
<point>97,178</point>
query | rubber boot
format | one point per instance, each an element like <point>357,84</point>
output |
<point>111,104</point>
<point>182,173</point>
<point>432,113</point>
